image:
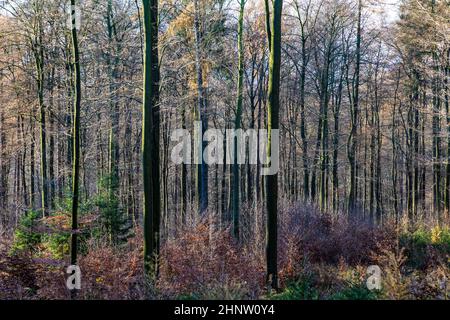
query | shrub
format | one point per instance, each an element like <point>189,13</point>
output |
<point>432,284</point>
<point>108,273</point>
<point>57,244</point>
<point>204,258</point>
<point>219,290</point>
<point>26,236</point>
<point>321,256</point>
<point>395,283</point>
<point>326,238</point>
<point>355,291</point>
<point>302,289</point>
<point>425,247</point>
<point>112,221</point>
<point>17,272</point>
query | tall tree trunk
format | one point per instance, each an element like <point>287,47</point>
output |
<point>150,139</point>
<point>76,137</point>
<point>114,107</point>
<point>415,158</point>
<point>377,187</point>
<point>352,139</point>
<point>200,112</point>
<point>324,115</point>
<point>38,51</point>
<point>273,124</point>
<point>3,165</point>
<point>238,119</point>
<point>447,109</point>
<point>51,165</point>
<point>336,113</point>
<point>394,140</point>
<point>436,145</point>
<point>24,161</point>
<point>32,165</point>
<point>184,197</point>
<point>303,128</point>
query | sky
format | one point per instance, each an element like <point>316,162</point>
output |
<point>392,9</point>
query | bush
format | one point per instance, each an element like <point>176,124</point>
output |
<point>303,289</point>
<point>112,222</point>
<point>17,272</point>
<point>57,244</point>
<point>355,291</point>
<point>203,259</point>
<point>26,236</point>
<point>425,246</point>
<point>326,238</point>
<point>219,290</point>
<point>108,273</point>
<point>320,257</point>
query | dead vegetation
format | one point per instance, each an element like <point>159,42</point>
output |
<point>323,257</point>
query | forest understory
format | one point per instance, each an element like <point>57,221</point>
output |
<point>321,256</point>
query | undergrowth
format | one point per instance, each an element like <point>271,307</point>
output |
<point>320,257</point>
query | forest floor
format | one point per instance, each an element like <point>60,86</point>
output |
<point>321,256</point>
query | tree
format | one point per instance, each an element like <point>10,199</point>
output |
<point>35,36</point>
<point>200,115</point>
<point>238,119</point>
<point>38,51</point>
<point>113,174</point>
<point>150,139</point>
<point>273,108</point>
<point>307,26</point>
<point>76,135</point>
<point>352,140</point>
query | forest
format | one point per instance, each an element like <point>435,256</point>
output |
<point>351,102</point>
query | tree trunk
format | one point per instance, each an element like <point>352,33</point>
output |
<point>238,119</point>
<point>76,138</point>
<point>352,139</point>
<point>38,51</point>
<point>273,124</point>
<point>150,139</point>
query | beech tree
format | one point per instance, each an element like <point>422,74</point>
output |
<point>273,108</point>
<point>76,134</point>
<point>150,138</point>
<point>238,119</point>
